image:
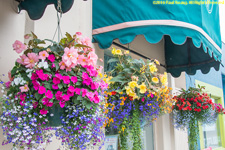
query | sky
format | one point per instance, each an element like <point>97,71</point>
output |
<point>222,21</point>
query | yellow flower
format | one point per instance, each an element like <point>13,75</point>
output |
<point>118,52</point>
<point>132,94</point>
<point>153,68</point>
<point>157,62</point>
<point>128,90</point>
<point>113,51</point>
<point>142,88</point>
<point>132,84</point>
<point>121,92</point>
<point>163,78</point>
<point>126,52</point>
<point>105,75</point>
<point>100,74</point>
<point>155,80</point>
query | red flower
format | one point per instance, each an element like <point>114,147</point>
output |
<point>199,104</point>
<point>113,92</point>
<point>131,98</point>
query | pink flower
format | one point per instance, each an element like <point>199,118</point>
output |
<point>77,91</point>
<point>82,60</point>
<point>35,104</point>
<point>78,33</point>
<point>66,79</point>
<point>56,80</point>
<point>55,86</point>
<point>58,95</point>
<point>143,99</point>
<point>58,76</point>
<point>71,89</point>
<point>94,86</point>
<point>22,103</point>
<point>8,84</point>
<point>34,76</point>
<point>30,60</point>
<point>36,85</point>
<point>41,75</point>
<point>70,56</point>
<point>49,94</point>
<point>26,36</point>
<point>21,59</point>
<point>53,65</point>
<point>22,97</point>
<point>96,99</point>
<point>51,57</point>
<point>43,111</point>
<point>103,85</point>
<point>90,95</point>
<point>84,92</point>
<point>62,104</point>
<point>49,104</point>
<point>19,46</point>
<point>45,101</point>
<point>41,90</point>
<point>66,97</point>
<point>92,58</point>
<point>74,79</point>
<point>43,55</point>
<point>86,41</point>
<point>24,88</point>
<point>62,65</point>
<point>86,79</point>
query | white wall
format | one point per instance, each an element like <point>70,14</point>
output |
<point>13,27</point>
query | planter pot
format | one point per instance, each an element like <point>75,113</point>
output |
<point>55,120</point>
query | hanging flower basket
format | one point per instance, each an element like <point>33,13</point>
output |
<point>137,93</point>
<point>54,85</point>
<point>193,106</point>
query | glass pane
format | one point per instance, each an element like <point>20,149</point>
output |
<point>211,133</point>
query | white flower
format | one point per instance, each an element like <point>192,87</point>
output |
<point>29,70</point>
<point>51,115</point>
<point>29,75</point>
<point>43,64</point>
<point>17,80</point>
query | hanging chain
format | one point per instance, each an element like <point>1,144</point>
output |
<point>59,16</point>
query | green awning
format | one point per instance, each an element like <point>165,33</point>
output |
<point>36,8</point>
<point>191,30</point>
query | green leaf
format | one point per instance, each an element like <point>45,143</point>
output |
<point>69,37</point>
<point>51,41</point>
<point>80,97</point>
<point>48,86</point>
<point>56,66</point>
<point>89,104</point>
<point>113,60</point>
<point>60,86</point>
<point>13,72</point>
<point>56,48</point>
<point>78,83</point>
<point>38,96</point>
<point>34,35</point>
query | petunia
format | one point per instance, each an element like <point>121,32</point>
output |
<point>41,90</point>
<point>51,57</point>
<point>22,103</point>
<point>36,85</point>
<point>49,94</point>
<point>22,97</point>
<point>43,111</point>
<point>19,46</point>
<point>74,79</point>
<point>34,76</point>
